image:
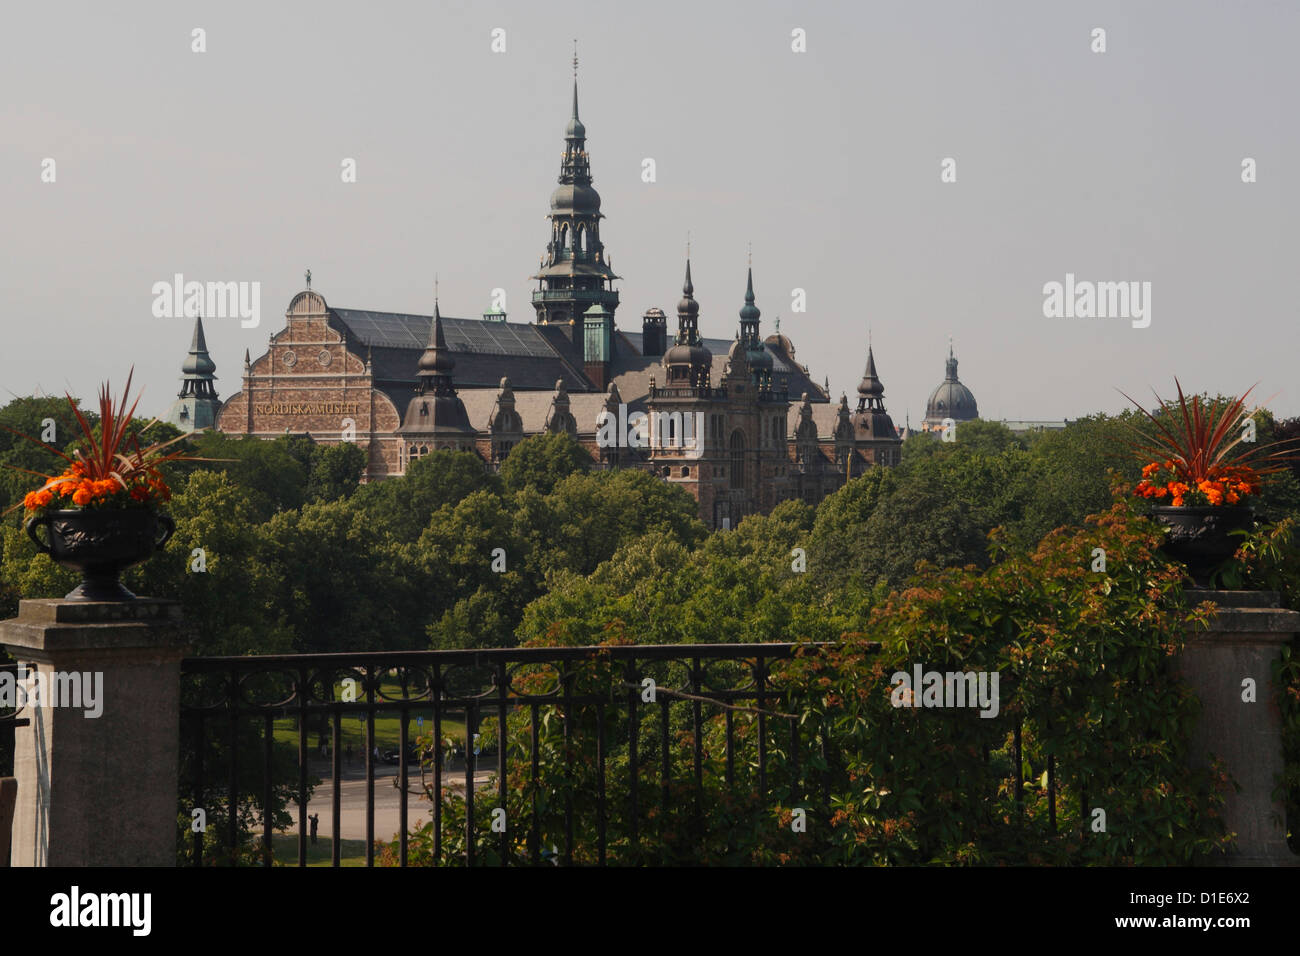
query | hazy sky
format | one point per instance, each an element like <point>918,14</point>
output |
<point>225,165</point>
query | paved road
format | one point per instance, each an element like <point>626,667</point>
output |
<point>352,799</point>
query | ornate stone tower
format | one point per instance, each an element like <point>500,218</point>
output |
<point>435,418</point>
<point>874,433</point>
<point>575,275</point>
<point>196,403</point>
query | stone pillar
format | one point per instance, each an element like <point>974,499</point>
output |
<point>1247,636</point>
<point>98,790</point>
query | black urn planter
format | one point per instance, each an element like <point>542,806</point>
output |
<point>1201,536</point>
<point>101,544</point>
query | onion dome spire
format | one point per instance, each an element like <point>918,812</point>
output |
<point>436,362</point>
<point>198,362</point>
<point>196,403</point>
<point>689,361</point>
<point>870,386</point>
<point>688,309</point>
<point>749,313</point>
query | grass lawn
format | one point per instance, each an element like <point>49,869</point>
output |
<point>285,847</point>
<point>388,726</point>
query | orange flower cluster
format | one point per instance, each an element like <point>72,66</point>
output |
<point>1221,484</point>
<point>75,488</point>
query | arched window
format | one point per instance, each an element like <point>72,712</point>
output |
<point>736,445</point>
<point>686,472</point>
<point>564,235</point>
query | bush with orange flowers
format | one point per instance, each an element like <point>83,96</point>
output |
<point>108,469</point>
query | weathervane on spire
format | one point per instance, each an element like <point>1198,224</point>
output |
<point>688,243</point>
<point>575,58</point>
<point>749,255</point>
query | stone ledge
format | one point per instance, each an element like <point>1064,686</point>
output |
<point>1258,599</point>
<point>59,611</point>
<point>1269,624</point>
<point>46,626</point>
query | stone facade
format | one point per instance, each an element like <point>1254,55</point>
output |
<point>312,381</point>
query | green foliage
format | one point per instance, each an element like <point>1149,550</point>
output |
<point>542,461</point>
<point>343,583</point>
<point>235,604</point>
<point>334,471</point>
<point>26,415</point>
<point>1083,661</point>
<point>273,473</point>
<point>402,507</point>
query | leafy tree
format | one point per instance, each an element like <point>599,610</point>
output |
<point>403,506</point>
<point>334,471</point>
<point>543,461</point>
<point>215,566</point>
<point>28,417</point>
<point>346,585</point>
<point>274,473</point>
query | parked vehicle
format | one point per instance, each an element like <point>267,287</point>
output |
<point>413,755</point>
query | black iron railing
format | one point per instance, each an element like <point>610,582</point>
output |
<point>231,701</point>
<point>10,719</point>
<point>647,708</point>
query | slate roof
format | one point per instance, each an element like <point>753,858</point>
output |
<point>485,352</point>
<point>533,357</point>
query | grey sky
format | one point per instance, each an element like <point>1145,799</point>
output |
<point>226,166</point>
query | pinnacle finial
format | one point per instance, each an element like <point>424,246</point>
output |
<point>749,254</point>
<point>688,245</point>
<point>575,58</point>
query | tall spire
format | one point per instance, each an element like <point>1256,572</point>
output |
<point>575,273</point>
<point>575,132</point>
<point>756,354</point>
<point>196,403</point>
<point>688,311</point>
<point>689,361</point>
<point>198,364</point>
<point>436,362</point>
<point>870,387</point>
<point>749,313</point>
<point>575,80</point>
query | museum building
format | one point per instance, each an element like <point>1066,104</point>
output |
<point>406,385</point>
